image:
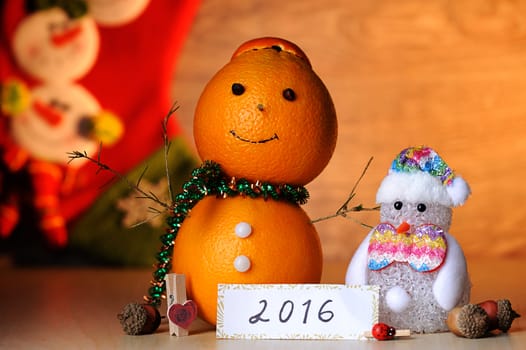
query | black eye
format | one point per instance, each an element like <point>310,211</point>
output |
<point>398,205</point>
<point>421,207</point>
<point>85,126</point>
<point>238,89</point>
<point>289,94</point>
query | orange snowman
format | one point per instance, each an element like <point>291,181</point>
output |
<point>268,124</point>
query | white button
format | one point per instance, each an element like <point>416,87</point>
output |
<point>242,263</point>
<point>243,230</point>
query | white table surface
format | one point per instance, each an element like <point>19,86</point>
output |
<point>66,308</point>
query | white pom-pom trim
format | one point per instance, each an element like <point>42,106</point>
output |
<point>412,187</point>
<point>458,191</point>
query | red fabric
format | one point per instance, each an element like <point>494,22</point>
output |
<point>47,181</point>
<point>12,13</point>
<point>132,78</point>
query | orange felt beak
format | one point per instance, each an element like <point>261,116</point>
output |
<point>66,36</point>
<point>403,228</point>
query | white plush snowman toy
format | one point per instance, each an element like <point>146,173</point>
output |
<point>52,46</point>
<point>419,266</point>
<point>54,116</point>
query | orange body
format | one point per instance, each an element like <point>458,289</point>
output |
<point>283,247</point>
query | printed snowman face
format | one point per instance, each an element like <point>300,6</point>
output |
<point>116,12</point>
<point>416,214</point>
<point>52,125</point>
<point>52,47</point>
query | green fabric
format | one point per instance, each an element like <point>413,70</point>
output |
<point>101,234</point>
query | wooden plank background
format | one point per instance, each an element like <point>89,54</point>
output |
<point>449,74</point>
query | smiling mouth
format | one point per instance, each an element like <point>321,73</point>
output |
<point>274,137</point>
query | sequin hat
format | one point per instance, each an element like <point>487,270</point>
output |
<point>419,174</point>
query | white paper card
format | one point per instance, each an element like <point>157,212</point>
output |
<point>295,311</point>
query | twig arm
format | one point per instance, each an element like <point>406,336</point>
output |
<point>104,167</point>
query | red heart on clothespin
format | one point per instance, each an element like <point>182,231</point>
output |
<point>183,314</point>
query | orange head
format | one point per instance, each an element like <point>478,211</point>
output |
<point>266,115</point>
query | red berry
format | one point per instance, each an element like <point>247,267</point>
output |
<point>381,331</point>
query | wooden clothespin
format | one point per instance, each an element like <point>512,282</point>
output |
<point>181,312</point>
